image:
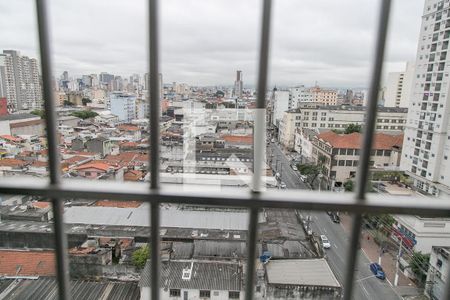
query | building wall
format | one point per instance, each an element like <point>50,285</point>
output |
<point>437,275</point>
<point>191,294</point>
<point>426,142</point>
<point>123,106</point>
<point>281,104</point>
<point>426,232</point>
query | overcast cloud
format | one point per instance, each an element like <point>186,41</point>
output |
<point>203,42</point>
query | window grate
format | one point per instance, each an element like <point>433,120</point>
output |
<point>358,204</point>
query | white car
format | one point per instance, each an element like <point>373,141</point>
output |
<point>325,242</point>
<point>303,178</point>
<point>294,167</point>
<point>282,185</point>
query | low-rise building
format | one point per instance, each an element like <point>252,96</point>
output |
<point>195,279</point>
<point>313,116</point>
<point>301,279</point>
<point>422,233</point>
<point>339,153</point>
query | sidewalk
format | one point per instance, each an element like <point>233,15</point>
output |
<point>372,251</point>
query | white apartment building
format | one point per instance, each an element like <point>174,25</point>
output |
<point>313,116</point>
<point>427,141</point>
<point>123,106</point>
<point>20,80</point>
<point>300,94</point>
<point>437,275</point>
<point>398,87</point>
<point>280,105</point>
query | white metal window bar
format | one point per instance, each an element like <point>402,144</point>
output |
<point>357,203</point>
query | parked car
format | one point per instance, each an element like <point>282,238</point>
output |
<point>325,242</point>
<point>282,185</point>
<point>294,167</point>
<point>335,218</point>
<point>377,270</point>
<point>303,178</point>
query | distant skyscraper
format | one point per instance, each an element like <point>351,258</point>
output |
<point>425,153</point>
<point>105,78</point>
<point>65,76</point>
<point>398,87</point>
<point>21,80</point>
<point>238,85</point>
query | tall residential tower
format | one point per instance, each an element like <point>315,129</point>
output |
<point>238,85</point>
<point>426,146</point>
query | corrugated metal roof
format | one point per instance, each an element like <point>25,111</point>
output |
<point>309,272</point>
<point>206,275</point>
<point>182,250</point>
<point>220,249</point>
<point>170,217</point>
<point>45,288</point>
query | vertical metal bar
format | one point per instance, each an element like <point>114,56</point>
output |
<point>258,145</point>
<point>154,142</point>
<point>259,126</point>
<point>369,129</point>
<point>53,151</point>
<point>251,244</point>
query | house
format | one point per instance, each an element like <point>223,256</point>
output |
<point>195,279</point>
<point>339,153</point>
<point>70,121</point>
<point>303,142</point>
<point>17,124</point>
<point>12,165</point>
<point>100,145</point>
<point>93,170</point>
<point>301,279</point>
<point>15,262</point>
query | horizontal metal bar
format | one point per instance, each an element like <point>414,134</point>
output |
<point>238,197</point>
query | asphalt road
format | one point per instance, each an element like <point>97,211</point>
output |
<point>366,285</point>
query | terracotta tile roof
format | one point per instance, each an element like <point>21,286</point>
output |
<point>75,159</point>
<point>241,139</point>
<point>82,153</point>
<point>353,141</point>
<point>39,164</point>
<point>41,204</point>
<point>81,250</point>
<point>94,165</point>
<point>26,123</point>
<point>119,204</point>
<point>128,145</point>
<point>133,175</point>
<point>11,138</point>
<point>12,162</point>
<point>128,127</point>
<point>30,262</point>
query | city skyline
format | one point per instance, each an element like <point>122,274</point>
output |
<point>229,42</point>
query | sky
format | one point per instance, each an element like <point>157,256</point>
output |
<point>204,42</point>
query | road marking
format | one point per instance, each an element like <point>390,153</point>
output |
<point>361,279</point>
<point>325,230</point>
<point>335,246</point>
<point>365,291</point>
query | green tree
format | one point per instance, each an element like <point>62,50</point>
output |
<point>39,112</point>
<point>348,186</point>
<point>352,128</point>
<point>140,256</point>
<point>68,103</point>
<point>337,131</point>
<point>85,101</point>
<point>84,114</point>
<point>419,265</point>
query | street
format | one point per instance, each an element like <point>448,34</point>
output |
<point>366,285</point>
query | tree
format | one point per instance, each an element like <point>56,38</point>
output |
<point>140,256</point>
<point>68,103</point>
<point>39,112</point>
<point>352,128</point>
<point>84,114</point>
<point>348,186</point>
<point>419,265</point>
<point>85,101</point>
